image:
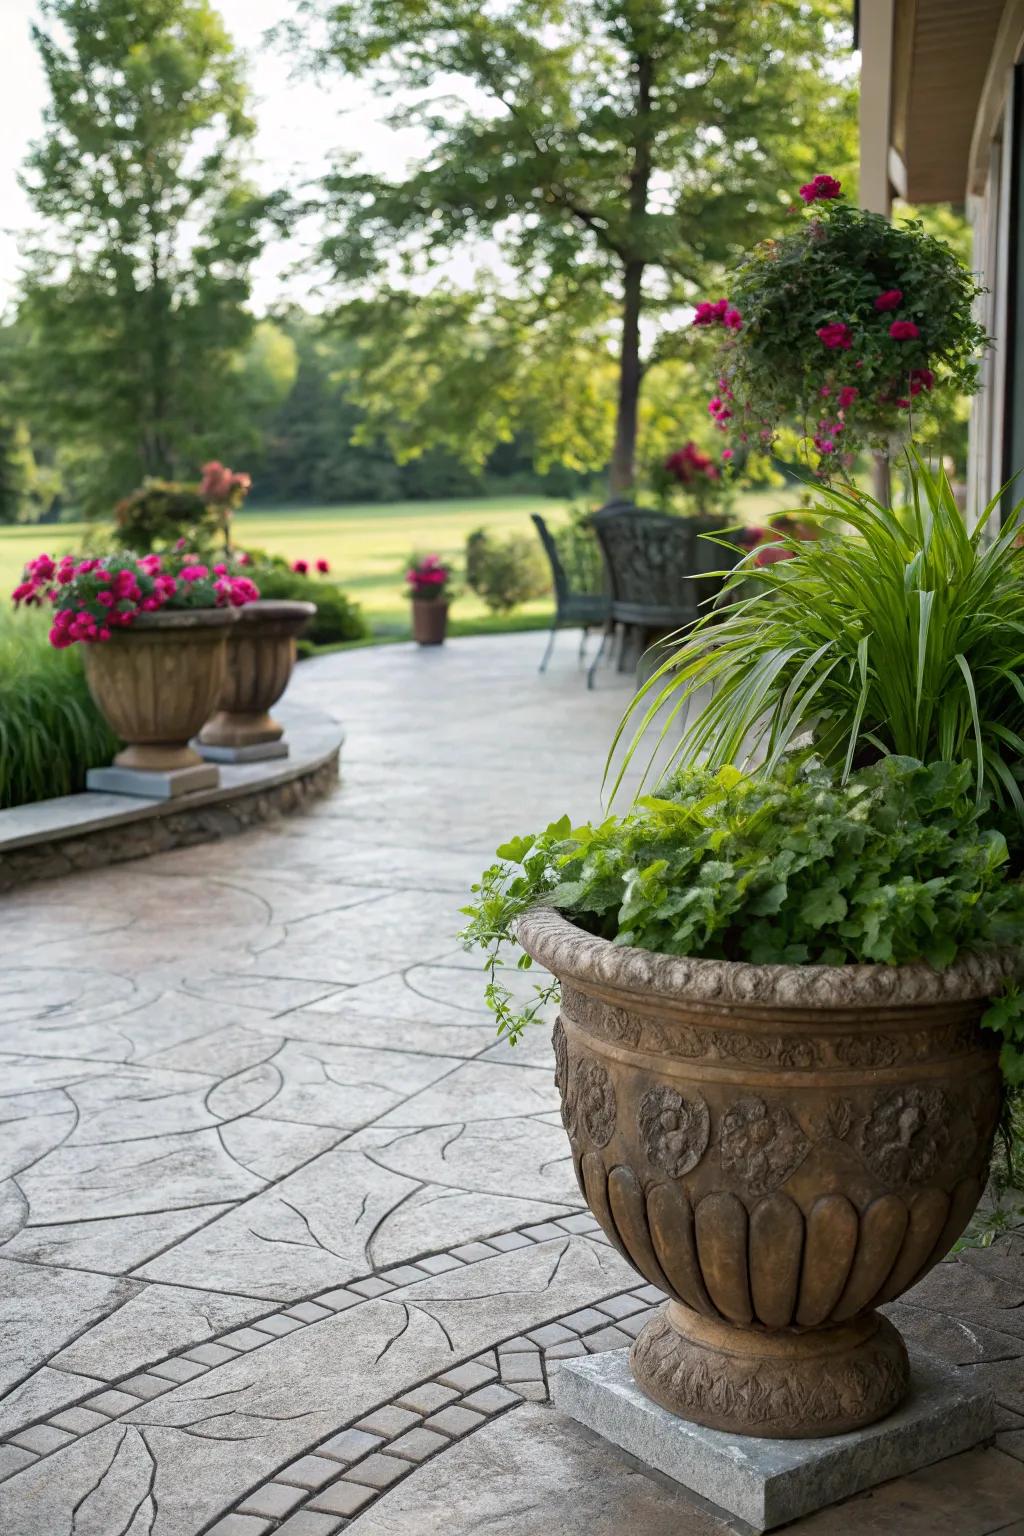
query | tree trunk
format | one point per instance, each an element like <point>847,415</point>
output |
<point>620,479</point>
<point>623,465</point>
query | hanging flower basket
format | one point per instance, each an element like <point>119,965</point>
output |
<point>846,328</point>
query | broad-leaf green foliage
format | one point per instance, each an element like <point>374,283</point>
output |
<point>598,144</point>
<point>134,300</point>
<point>891,867</point>
<point>51,732</point>
<point>896,631</point>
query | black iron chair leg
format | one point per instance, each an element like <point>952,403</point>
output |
<point>581,653</point>
<point>549,648</point>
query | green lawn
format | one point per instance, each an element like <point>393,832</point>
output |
<point>366,546</point>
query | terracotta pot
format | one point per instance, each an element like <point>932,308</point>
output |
<point>156,683</point>
<point>261,655</point>
<point>429,620</point>
<point>780,1149</point>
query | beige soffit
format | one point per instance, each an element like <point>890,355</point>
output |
<point>942,50</point>
<point>1006,52</point>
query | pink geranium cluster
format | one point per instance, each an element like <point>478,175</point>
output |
<point>688,465</point>
<point>718,312</point>
<point>821,188</point>
<point>94,597</point>
<point>427,577</point>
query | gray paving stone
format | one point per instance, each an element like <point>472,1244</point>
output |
<point>272,1500</point>
<point>41,1438</point>
<point>454,1421</point>
<point>472,1252</point>
<point>417,1445</point>
<point>112,1403</point>
<point>146,1385</point>
<point>308,1312</point>
<point>437,1263</point>
<point>582,1223</point>
<point>240,1525</point>
<point>244,1339</point>
<point>517,1346</point>
<point>552,1333</point>
<point>307,1522</point>
<point>585,1320</point>
<point>465,1377</point>
<point>569,1351</point>
<point>404,1274</point>
<point>649,1294</point>
<point>489,1399</point>
<point>211,1354</point>
<point>377,1470</point>
<point>342,1498</point>
<point>428,1398</point>
<point>517,1368</point>
<point>78,1421</point>
<point>280,1324</point>
<point>13,1458</point>
<point>620,1306</point>
<point>373,1286</point>
<point>607,1338</point>
<point>339,1300</point>
<point>542,1233</point>
<point>179,1369</point>
<point>388,1421</point>
<point>308,1472</point>
<point>508,1241</point>
<point>349,1445</point>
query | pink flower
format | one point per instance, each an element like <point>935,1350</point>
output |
<point>847,395</point>
<point>904,330</point>
<point>323,567</point>
<point>921,378</point>
<point>194,572</point>
<point>821,188</point>
<point>727,453</point>
<point>244,559</point>
<point>892,298</point>
<point>732,320</point>
<point>771,554</point>
<point>151,564</point>
<point>837,336</point>
<point>300,567</point>
<point>824,391</point>
<point>710,312</point>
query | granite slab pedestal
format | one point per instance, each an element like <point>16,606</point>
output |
<point>253,752</point>
<point>769,1482</point>
<point>150,784</point>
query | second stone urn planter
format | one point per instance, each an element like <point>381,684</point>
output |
<point>780,1149</point>
<point>155,683</point>
<point>261,657</point>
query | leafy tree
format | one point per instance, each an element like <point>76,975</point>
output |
<point>134,302</point>
<point>616,152</point>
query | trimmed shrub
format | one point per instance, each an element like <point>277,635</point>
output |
<point>337,616</point>
<point>507,572</point>
<point>51,732</point>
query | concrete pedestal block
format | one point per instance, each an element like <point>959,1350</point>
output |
<point>151,784</point>
<point>769,1482</point>
<point>254,752</point>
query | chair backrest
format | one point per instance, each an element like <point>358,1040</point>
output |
<point>558,573</point>
<point>651,560</point>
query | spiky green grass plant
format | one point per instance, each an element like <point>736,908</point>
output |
<point>896,631</point>
<point>50,730</point>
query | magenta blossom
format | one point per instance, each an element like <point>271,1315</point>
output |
<point>921,378</point>
<point>323,567</point>
<point>300,567</point>
<point>837,336</point>
<point>904,330</point>
<point>820,189</point>
<point>847,395</point>
<point>892,298</point>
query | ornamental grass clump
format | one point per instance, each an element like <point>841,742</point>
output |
<point>894,632</point>
<point>843,328</point>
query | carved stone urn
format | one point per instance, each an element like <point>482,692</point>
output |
<point>157,681</point>
<point>780,1149</point>
<point>261,657</point>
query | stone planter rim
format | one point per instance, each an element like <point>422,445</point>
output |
<point>574,955</point>
<point>263,608</point>
<point>180,618</point>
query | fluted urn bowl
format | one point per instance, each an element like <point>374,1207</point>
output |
<point>780,1149</point>
<point>261,657</point>
<point>157,681</point>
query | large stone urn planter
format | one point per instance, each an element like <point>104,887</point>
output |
<point>155,683</point>
<point>261,656</point>
<point>780,1149</point>
<point>429,620</point>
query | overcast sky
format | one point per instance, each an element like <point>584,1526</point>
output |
<point>299,123</point>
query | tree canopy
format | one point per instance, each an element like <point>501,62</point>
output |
<point>613,154</point>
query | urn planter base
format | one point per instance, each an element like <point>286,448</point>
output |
<point>153,784</point>
<point>250,752</point>
<point>769,1482</point>
<point>785,1384</point>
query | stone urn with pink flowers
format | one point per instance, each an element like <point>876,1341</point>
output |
<point>154,631</point>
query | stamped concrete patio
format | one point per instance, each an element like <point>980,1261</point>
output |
<point>288,1242</point>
